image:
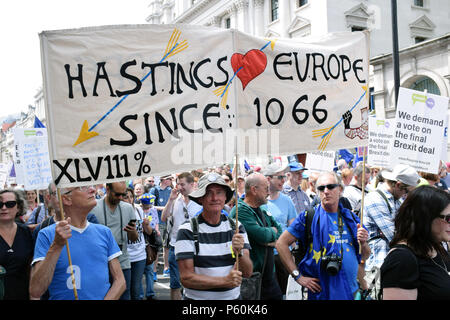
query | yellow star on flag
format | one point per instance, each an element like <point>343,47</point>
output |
<point>316,256</point>
<point>332,239</point>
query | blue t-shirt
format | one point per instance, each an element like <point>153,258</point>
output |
<point>162,196</point>
<point>91,249</point>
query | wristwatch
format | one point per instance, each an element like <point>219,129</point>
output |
<point>295,274</point>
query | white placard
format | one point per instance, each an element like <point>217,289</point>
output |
<point>320,160</point>
<point>381,132</point>
<point>419,130</point>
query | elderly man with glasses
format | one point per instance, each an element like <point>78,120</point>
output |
<point>329,269</point>
<point>119,216</point>
<point>93,251</point>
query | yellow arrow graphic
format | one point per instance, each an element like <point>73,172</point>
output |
<point>85,134</point>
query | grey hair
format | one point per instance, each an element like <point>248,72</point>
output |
<point>22,205</point>
<point>359,169</point>
<point>252,180</point>
<point>337,178</point>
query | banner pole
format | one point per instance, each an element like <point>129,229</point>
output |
<point>236,169</point>
<point>60,218</point>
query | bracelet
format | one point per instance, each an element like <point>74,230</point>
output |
<point>297,277</point>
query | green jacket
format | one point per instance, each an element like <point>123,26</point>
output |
<point>258,235</point>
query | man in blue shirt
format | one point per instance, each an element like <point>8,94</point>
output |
<point>282,209</point>
<point>335,233</point>
<point>93,253</point>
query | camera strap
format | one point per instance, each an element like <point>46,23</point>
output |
<point>341,231</point>
<point>120,214</point>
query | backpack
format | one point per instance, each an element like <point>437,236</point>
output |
<point>300,250</point>
<point>194,227</point>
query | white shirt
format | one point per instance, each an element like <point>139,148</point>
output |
<point>178,214</point>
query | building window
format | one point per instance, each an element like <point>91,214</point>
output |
<point>428,84</point>
<point>356,28</point>
<point>274,10</point>
<point>418,3</point>
<point>301,3</point>
<point>371,100</point>
<point>228,23</point>
<point>419,39</point>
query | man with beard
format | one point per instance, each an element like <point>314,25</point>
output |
<point>262,230</point>
<point>119,216</point>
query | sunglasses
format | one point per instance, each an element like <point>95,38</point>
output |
<point>279,177</point>
<point>82,189</point>
<point>8,204</point>
<point>328,186</point>
<point>446,217</point>
<point>117,194</point>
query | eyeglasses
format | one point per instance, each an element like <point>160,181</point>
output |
<point>186,214</point>
<point>328,186</point>
<point>279,177</point>
<point>8,204</point>
<point>118,194</point>
<point>446,217</point>
<point>82,189</point>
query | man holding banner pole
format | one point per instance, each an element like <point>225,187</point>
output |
<point>93,251</point>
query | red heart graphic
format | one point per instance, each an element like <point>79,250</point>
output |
<point>253,63</point>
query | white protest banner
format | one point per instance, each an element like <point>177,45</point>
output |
<point>320,160</point>
<point>445,141</point>
<point>419,130</point>
<point>136,100</point>
<point>381,132</point>
<point>32,164</point>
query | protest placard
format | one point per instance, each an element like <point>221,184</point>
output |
<point>320,160</point>
<point>419,130</point>
<point>130,101</point>
<point>3,174</point>
<point>381,132</point>
<point>32,162</point>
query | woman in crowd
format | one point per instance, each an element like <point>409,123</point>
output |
<point>136,250</point>
<point>32,203</point>
<point>417,267</point>
<point>16,245</point>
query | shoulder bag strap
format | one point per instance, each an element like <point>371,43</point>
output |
<point>381,193</point>
<point>194,227</point>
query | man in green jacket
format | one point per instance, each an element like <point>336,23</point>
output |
<point>262,231</point>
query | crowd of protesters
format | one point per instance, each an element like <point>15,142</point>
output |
<point>366,233</point>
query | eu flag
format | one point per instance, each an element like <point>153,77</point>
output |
<point>345,154</point>
<point>38,123</point>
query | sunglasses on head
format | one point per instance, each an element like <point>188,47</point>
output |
<point>328,186</point>
<point>8,204</point>
<point>446,217</point>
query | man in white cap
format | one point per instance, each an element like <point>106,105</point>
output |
<point>207,246</point>
<point>380,208</point>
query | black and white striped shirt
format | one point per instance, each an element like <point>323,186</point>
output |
<point>214,257</point>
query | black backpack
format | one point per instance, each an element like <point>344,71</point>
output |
<point>194,227</point>
<point>300,250</point>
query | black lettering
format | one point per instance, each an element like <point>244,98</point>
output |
<point>108,161</point>
<point>77,168</point>
<point>207,114</point>
<point>93,174</point>
<point>296,109</point>
<point>133,139</point>
<point>172,66</point>
<point>123,73</point>
<point>320,65</point>
<point>152,67</point>
<point>204,85</point>
<point>63,171</point>
<point>219,65</point>
<point>300,77</point>
<point>355,68</point>
<point>148,139</point>
<point>281,111</point>
<point>344,69</point>
<point>276,62</point>
<point>160,120</point>
<point>330,67</point>
<point>182,124</point>
<point>103,75</point>
<point>79,78</point>
<point>180,72</point>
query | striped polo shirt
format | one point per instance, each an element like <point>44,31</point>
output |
<point>214,257</point>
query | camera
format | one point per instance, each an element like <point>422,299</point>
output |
<point>331,264</point>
